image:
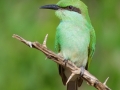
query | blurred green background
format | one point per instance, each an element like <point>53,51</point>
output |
<point>23,68</point>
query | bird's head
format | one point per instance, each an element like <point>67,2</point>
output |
<point>69,9</point>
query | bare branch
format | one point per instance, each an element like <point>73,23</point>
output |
<point>91,80</point>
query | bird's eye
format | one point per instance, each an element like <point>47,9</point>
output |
<point>70,7</point>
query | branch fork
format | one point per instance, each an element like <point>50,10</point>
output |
<point>91,80</point>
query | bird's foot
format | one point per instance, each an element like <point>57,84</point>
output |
<point>65,60</point>
<point>82,71</point>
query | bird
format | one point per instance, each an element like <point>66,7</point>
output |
<point>75,38</point>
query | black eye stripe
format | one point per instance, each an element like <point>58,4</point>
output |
<point>72,8</point>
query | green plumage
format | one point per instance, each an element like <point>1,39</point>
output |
<point>75,31</point>
<point>75,37</point>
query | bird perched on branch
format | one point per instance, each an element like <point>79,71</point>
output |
<point>75,38</point>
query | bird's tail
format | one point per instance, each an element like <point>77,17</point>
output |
<point>72,85</point>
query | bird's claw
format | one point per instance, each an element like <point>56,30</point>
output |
<point>82,71</point>
<point>65,60</point>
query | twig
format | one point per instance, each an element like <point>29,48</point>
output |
<point>91,80</point>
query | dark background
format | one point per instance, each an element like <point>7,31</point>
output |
<point>23,68</point>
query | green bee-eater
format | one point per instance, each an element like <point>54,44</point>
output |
<point>75,38</point>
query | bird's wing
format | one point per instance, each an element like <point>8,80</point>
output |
<point>60,68</point>
<point>91,48</point>
<point>57,45</point>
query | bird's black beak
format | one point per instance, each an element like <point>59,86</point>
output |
<point>52,6</point>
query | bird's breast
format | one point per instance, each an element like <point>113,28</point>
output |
<point>74,42</point>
